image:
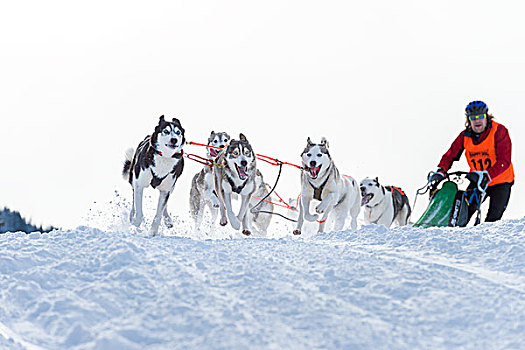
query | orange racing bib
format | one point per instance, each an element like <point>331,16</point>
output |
<point>482,156</point>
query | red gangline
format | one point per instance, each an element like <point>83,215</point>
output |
<point>267,201</point>
<point>199,159</point>
<point>269,160</point>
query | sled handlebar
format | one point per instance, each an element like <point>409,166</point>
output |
<point>457,174</point>
<point>481,175</point>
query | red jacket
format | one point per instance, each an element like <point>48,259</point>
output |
<point>503,149</point>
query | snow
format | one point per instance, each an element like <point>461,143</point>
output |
<point>109,286</point>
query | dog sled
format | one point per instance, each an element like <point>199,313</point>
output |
<point>448,204</point>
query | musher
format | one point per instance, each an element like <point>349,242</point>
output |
<point>487,147</point>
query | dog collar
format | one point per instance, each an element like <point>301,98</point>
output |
<point>373,206</point>
<point>177,155</point>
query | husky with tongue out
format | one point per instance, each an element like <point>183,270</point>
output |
<point>202,193</point>
<point>384,204</point>
<point>235,172</point>
<point>321,181</point>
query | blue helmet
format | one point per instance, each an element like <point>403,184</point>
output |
<point>475,108</point>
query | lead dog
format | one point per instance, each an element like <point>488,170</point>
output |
<point>157,162</point>
<point>202,193</point>
<point>384,204</point>
<point>322,181</point>
<point>235,172</point>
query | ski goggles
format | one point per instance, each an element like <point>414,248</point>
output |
<point>476,117</point>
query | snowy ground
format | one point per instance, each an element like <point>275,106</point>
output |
<point>404,288</point>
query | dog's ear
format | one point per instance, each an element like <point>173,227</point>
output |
<point>376,180</point>
<point>242,137</point>
<point>210,137</point>
<point>324,142</point>
<point>176,121</point>
<point>161,119</point>
<point>309,142</point>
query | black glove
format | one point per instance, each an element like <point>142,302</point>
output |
<point>437,176</point>
<point>473,177</point>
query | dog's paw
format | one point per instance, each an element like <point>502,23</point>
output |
<point>154,231</point>
<point>319,209</point>
<point>216,206</point>
<point>297,232</point>
<point>246,232</point>
<point>168,222</point>
<point>223,222</point>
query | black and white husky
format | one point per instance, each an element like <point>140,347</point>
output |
<point>321,181</point>
<point>202,193</point>
<point>157,162</point>
<point>384,204</point>
<point>235,172</point>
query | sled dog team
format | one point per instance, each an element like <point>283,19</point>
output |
<point>158,162</point>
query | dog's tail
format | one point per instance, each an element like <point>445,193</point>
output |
<point>127,163</point>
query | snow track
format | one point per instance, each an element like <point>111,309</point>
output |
<point>370,289</point>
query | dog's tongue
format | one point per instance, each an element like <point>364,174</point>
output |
<point>366,199</point>
<point>214,152</point>
<point>314,171</point>
<point>242,171</point>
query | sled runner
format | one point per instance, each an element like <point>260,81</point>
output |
<point>448,205</point>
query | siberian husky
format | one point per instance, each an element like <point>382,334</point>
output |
<point>384,204</point>
<point>202,191</point>
<point>157,162</point>
<point>235,172</point>
<point>321,181</point>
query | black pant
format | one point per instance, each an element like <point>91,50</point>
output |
<point>499,198</point>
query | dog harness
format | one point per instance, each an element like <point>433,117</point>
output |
<point>318,191</point>
<point>392,188</point>
<point>236,189</point>
<point>176,172</point>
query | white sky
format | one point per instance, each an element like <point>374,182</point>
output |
<point>386,82</point>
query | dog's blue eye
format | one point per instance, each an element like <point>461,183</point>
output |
<point>309,155</point>
<point>177,132</point>
<point>166,132</point>
<point>319,154</point>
